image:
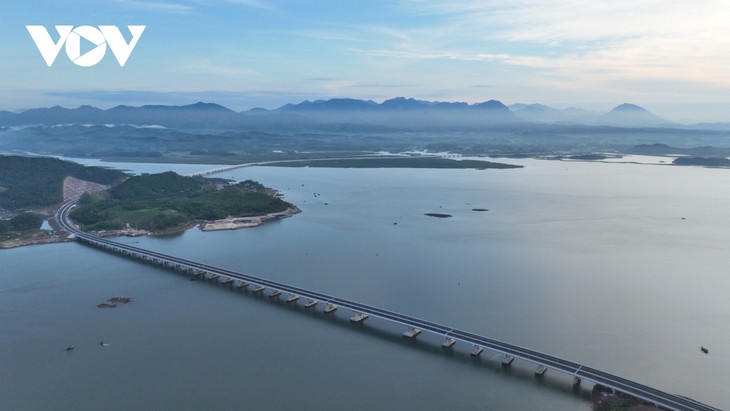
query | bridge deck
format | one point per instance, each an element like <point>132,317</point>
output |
<point>652,395</point>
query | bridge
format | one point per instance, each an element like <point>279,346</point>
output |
<point>362,311</point>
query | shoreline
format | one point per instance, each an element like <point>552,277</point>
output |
<point>231,223</point>
<point>235,223</point>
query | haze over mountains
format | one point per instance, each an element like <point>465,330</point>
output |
<point>211,133</point>
<point>398,113</point>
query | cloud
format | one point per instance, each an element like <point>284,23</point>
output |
<point>259,4</point>
<point>574,40</point>
<point>157,6</point>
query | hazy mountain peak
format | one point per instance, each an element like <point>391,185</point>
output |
<point>628,107</point>
<point>207,106</point>
<point>628,114</point>
<point>492,105</point>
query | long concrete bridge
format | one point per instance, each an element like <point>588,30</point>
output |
<point>362,311</point>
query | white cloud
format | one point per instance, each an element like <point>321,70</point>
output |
<point>259,4</point>
<point>157,6</point>
<point>577,42</point>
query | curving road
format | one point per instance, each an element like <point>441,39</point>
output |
<point>635,389</point>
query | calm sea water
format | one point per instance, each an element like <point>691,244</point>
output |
<point>622,267</point>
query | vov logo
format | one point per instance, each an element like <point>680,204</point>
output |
<point>71,37</point>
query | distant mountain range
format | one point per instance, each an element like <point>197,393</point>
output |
<point>399,113</point>
<point>623,115</point>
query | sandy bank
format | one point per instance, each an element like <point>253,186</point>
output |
<point>234,223</point>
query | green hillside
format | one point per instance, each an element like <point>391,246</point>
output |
<point>161,202</point>
<point>29,182</point>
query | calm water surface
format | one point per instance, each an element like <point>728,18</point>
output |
<point>618,266</point>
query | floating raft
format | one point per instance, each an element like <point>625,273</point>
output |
<point>411,332</point>
<point>214,277</point>
<point>227,281</point>
<point>359,317</point>
<point>258,289</point>
<point>540,370</point>
<point>330,308</point>
<point>477,351</point>
<point>274,294</point>
<point>507,360</point>
<point>448,343</point>
<point>242,284</point>
<point>310,303</point>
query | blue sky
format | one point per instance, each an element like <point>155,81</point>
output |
<point>670,56</point>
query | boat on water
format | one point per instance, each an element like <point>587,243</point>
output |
<point>70,347</point>
<point>704,350</point>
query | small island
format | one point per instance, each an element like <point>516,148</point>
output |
<point>438,215</point>
<point>168,203</point>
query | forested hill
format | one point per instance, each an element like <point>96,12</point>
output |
<point>165,201</point>
<point>160,186</point>
<point>28,182</point>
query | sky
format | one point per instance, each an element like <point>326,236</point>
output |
<point>669,56</point>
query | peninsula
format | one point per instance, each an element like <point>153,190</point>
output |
<point>167,203</point>
<point>114,203</point>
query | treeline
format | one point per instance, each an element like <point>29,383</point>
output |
<point>158,202</point>
<point>161,185</point>
<point>27,182</point>
<point>21,222</point>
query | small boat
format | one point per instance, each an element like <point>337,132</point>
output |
<point>70,347</point>
<point>704,350</point>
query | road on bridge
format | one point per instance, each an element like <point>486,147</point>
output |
<point>632,388</point>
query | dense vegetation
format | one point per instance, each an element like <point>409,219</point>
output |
<point>702,161</point>
<point>158,202</point>
<point>27,182</point>
<point>21,222</point>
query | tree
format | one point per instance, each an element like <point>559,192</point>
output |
<point>26,221</point>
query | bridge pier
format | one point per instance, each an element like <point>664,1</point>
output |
<point>411,333</point>
<point>359,317</point>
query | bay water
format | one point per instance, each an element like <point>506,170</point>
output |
<point>622,267</point>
